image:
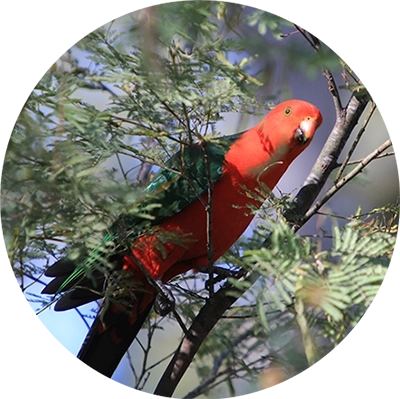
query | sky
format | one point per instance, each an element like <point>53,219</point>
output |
<point>40,349</point>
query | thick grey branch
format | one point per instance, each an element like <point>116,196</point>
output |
<point>201,327</point>
<point>327,160</point>
<point>355,142</point>
<point>344,180</point>
<point>223,299</point>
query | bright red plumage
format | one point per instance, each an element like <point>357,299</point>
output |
<point>260,155</point>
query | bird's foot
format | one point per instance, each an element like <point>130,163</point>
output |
<point>220,274</point>
<point>223,272</point>
<point>165,301</point>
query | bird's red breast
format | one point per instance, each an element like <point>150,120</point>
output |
<point>261,155</point>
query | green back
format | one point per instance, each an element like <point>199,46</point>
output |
<point>175,191</point>
<point>185,178</point>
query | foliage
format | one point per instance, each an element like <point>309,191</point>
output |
<point>56,185</point>
<point>265,22</point>
<point>305,301</point>
<point>113,110</point>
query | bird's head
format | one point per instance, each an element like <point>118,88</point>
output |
<point>266,151</point>
<point>290,127</point>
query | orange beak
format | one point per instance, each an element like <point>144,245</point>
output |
<point>308,126</point>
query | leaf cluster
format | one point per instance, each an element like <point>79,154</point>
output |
<point>62,173</point>
<point>113,110</point>
<point>306,300</point>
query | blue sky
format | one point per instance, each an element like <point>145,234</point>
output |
<point>39,349</point>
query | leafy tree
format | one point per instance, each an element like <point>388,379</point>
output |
<point>123,100</point>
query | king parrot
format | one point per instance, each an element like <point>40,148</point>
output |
<point>145,254</point>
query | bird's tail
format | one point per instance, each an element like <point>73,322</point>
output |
<point>117,323</point>
<point>112,334</point>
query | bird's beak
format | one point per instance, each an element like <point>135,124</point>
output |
<point>307,128</point>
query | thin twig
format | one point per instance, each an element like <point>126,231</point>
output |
<point>210,249</point>
<point>355,142</point>
<point>124,175</point>
<point>348,71</point>
<point>188,127</point>
<point>332,87</point>
<point>145,167</point>
<point>128,355</point>
<point>344,180</point>
<point>83,318</point>
<point>306,36</point>
<point>163,359</point>
<point>384,155</point>
<point>230,371</point>
<point>285,35</point>
<point>156,285</point>
<point>146,350</point>
<point>34,280</point>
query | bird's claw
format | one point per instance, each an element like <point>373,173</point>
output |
<point>221,274</point>
<point>165,301</point>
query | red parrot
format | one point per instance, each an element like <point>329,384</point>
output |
<point>140,261</point>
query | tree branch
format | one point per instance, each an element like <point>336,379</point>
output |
<point>201,327</point>
<point>344,180</point>
<point>346,120</point>
<point>327,160</point>
<point>355,142</point>
<point>380,156</point>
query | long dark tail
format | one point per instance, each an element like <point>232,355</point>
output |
<point>117,323</point>
<point>75,293</point>
<point>104,347</point>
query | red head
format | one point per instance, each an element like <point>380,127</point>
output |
<point>266,150</point>
<point>290,127</point>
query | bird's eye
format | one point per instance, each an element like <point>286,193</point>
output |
<point>287,111</point>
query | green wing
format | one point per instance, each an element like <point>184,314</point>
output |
<point>184,179</point>
<point>187,175</point>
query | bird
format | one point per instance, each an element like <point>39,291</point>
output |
<point>195,208</point>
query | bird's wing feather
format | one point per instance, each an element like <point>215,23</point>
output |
<point>184,179</point>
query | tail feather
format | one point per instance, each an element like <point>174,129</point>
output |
<point>62,267</point>
<point>76,292</point>
<point>116,324</point>
<point>54,286</point>
<point>75,298</point>
<point>104,347</point>
<point>103,350</point>
<point>96,281</point>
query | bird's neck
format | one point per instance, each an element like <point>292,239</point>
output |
<point>255,158</point>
